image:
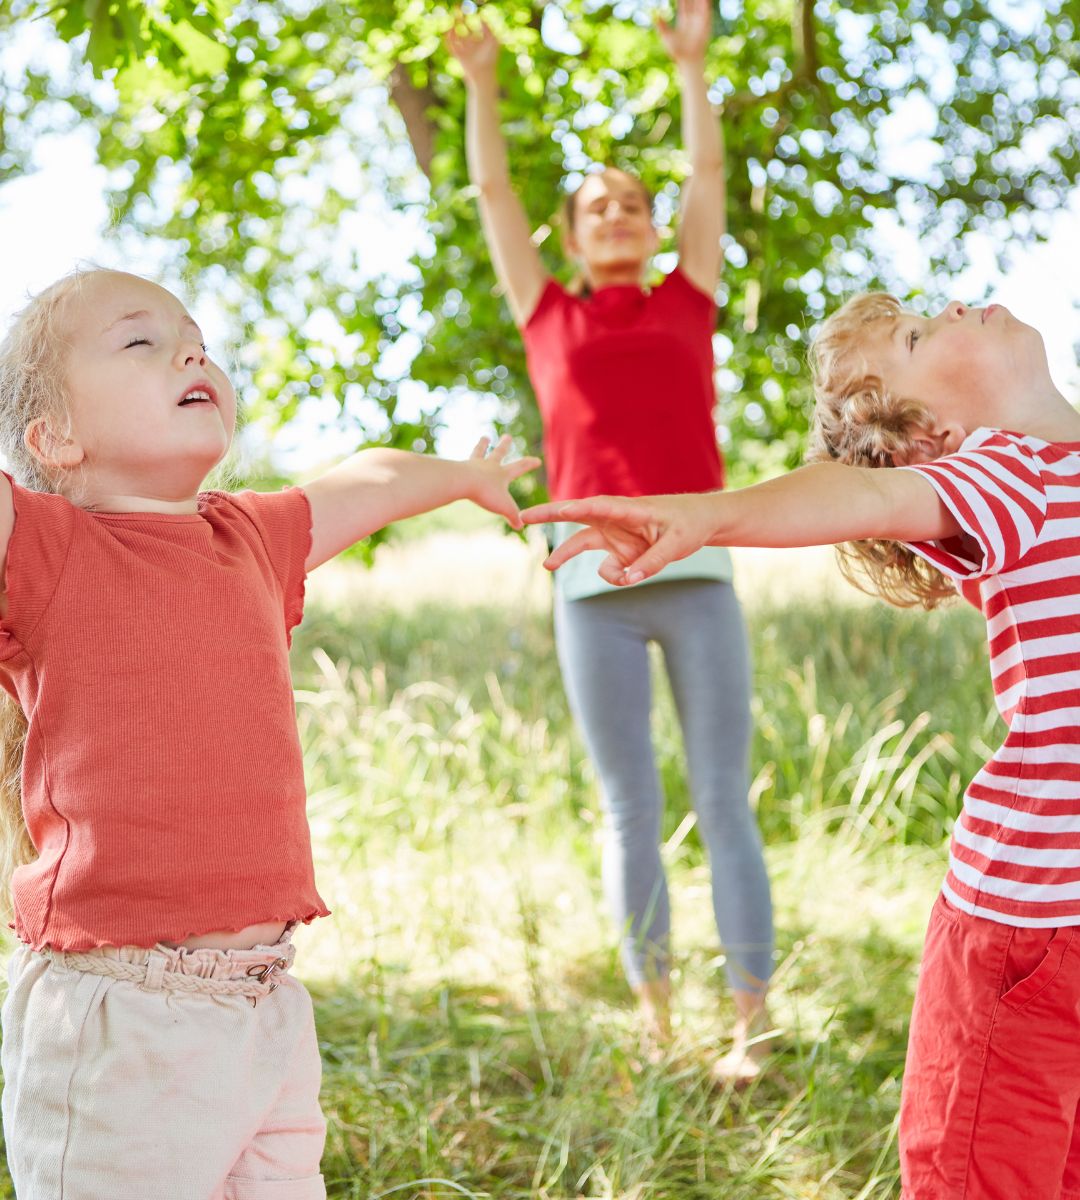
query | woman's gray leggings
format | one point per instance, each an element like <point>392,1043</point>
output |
<point>603,651</point>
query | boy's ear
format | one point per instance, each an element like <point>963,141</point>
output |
<point>50,448</point>
<point>928,444</point>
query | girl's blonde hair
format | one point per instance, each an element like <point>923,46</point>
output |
<point>858,421</point>
<point>32,385</point>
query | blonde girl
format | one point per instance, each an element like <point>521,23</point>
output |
<point>987,502</point>
<point>154,1042</point>
<point>623,375</point>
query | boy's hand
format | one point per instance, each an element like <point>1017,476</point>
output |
<point>491,475</point>
<point>477,49</point>
<point>687,39</point>
<point>640,535</point>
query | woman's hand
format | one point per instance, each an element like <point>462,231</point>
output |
<point>476,49</point>
<point>490,476</point>
<point>640,535</point>
<point>687,39</point>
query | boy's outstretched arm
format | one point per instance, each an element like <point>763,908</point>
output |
<point>817,505</point>
<point>378,486</point>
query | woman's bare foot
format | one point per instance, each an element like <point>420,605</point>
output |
<point>753,1040</point>
<point>654,1008</point>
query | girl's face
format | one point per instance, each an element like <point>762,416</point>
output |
<point>969,366</point>
<point>612,222</point>
<point>150,413</point>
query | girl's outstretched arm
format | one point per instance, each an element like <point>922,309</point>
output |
<point>701,215</point>
<point>378,486</point>
<point>818,505</point>
<point>506,226</point>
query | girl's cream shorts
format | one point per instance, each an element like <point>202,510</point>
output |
<point>178,1075</point>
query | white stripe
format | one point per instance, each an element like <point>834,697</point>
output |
<point>1008,699</point>
<point>1011,656</point>
<point>1029,856</point>
<point>1056,752</point>
<point>1012,818</point>
<point>1038,609</point>
<point>1056,719</point>
<point>1035,648</point>
<point>992,914</point>
<point>1051,570</point>
<point>1051,685</point>
<point>1028,785</point>
<point>1011,889</point>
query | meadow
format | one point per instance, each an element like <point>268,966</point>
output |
<point>477,1037</point>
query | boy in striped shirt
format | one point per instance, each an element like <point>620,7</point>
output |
<point>987,502</point>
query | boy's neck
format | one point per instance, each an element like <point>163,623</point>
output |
<point>1047,415</point>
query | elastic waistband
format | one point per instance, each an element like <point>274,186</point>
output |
<point>253,973</point>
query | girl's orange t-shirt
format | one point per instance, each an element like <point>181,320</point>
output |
<point>163,781</point>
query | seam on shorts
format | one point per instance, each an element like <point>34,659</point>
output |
<point>999,975</point>
<point>77,1062</point>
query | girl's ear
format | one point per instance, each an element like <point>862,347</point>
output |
<point>50,448</point>
<point>928,444</point>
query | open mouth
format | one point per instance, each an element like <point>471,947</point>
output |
<point>197,395</point>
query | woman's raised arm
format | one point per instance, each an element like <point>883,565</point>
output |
<point>506,226</point>
<point>704,196</point>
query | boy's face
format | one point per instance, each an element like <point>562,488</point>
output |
<point>147,406</point>
<point>969,366</point>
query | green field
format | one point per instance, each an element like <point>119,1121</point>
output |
<point>477,1037</point>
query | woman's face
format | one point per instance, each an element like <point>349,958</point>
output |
<point>612,222</point>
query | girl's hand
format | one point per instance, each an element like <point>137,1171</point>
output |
<point>491,476</point>
<point>477,49</point>
<point>640,535</point>
<point>687,39</point>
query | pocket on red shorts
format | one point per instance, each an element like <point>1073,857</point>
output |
<point>1033,962</point>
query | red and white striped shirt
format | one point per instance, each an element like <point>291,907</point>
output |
<point>1015,852</point>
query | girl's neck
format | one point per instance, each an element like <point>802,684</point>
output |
<point>116,502</point>
<point>117,495</point>
<point>162,487</point>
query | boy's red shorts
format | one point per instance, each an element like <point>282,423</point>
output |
<point>992,1081</point>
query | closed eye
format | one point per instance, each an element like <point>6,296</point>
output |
<point>913,337</point>
<point>137,342</point>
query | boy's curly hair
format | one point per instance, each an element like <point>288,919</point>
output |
<point>858,421</point>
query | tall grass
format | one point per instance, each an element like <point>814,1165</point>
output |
<point>477,1036</point>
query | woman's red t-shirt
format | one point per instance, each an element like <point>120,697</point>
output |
<point>624,380</point>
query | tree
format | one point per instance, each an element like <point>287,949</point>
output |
<point>233,126</point>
